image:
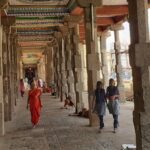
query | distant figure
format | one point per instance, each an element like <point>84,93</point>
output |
<point>22,87</point>
<point>99,103</point>
<point>34,102</point>
<point>113,102</point>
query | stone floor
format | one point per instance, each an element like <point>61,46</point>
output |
<point>59,131</point>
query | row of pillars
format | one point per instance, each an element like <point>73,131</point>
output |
<point>66,62</point>
<point>139,60</point>
<point>8,72</point>
<point>140,66</point>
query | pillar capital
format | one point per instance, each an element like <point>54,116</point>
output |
<point>104,34</point>
<point>117,27</point>
<point>8,21</point>
<point>58,35</point>
<point>87,3</point>
<point>73,18</point>
<point>72,21</point>
<point>64,30</point>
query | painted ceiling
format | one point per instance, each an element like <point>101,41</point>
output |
<point>36,23</point>
<point>38,20</point>
<point>38,2</point>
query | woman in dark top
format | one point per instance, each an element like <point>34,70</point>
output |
<point>99,103</point>
<point>112,95</point>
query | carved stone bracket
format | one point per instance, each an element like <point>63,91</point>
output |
<point>64,30</point>
<point>117,27</point>
<point>74,19</point>
<point>86,3</point>
<point>58,34</point>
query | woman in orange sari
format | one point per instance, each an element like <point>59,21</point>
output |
<point>35,103</point>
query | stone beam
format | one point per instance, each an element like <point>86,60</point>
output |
<point>87,3</point>
<point>114,2</point>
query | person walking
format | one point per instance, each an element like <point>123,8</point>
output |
<point>21,87</point>
<point>99,103</point>
<point>34,102</point>
<point>112,94</point>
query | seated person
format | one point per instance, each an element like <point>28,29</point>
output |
<point>68,102</point>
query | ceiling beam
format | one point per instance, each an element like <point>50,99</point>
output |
<point>109,11</point>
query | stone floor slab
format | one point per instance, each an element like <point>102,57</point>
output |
<point>59,131</point>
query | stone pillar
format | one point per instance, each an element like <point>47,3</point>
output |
<point>12,70</point>
<point>69,65</point>
<point>7,22</point>
<point>41,68</point>
<point>104,57</point>
<point>64,86</point>
<point>55,64</point>
<point>21,69</point>
<point>62,73</point>
<point>139,53</point>
<point>119,69</point>
<point>1,87</point>
<point>49,65</point>
<point>58,69</point>
<point>77,70</point>
<point>93,59</point>
<point>5,74</point>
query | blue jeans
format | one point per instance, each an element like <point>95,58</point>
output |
<point>101,120</point>
<point>116,122</point>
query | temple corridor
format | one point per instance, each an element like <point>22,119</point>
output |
<point>59,131</point>
<point>66,47</point>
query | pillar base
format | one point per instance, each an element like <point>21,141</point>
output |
<point>1,119</point>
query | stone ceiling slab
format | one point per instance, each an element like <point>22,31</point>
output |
<point>38,2</point>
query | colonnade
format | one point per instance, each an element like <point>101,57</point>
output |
<point>67,65</point>
<point>9,75</point>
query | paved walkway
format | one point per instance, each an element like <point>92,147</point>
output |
<point>58,131</point>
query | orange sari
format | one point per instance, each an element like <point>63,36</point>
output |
<point>35,105</point>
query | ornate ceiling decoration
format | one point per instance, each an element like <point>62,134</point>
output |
<point>38,2</point>
<point>30,12</point>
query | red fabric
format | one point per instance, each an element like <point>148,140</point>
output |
<point>35,105</point>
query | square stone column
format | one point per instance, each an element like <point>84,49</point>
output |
<point>1,87</point>
<point>118,67</point>
<point>63,72</point>
<point>139,54</point>
<point>93,59</point>
<point>104,57</point>
<point>69,66</point>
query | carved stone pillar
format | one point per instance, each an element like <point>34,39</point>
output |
<point>49,65</point>
<point>21,69</point>
<point>62,70</point>
<point>41,68</point>
<point>56,70</point>
<point>119,69</point>
<point>63,61</point>
<point>93,60</point>
<point>1,87</point>
<point>7,22</point>
<point>104,58</point>
<point>12,70</point>
<point>64,86</point>
<point>139,53</point>
<point>77,70</point>
<point>69,65</point>
<point>6,74</point>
